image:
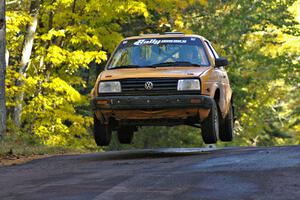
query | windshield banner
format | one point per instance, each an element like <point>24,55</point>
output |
<point>161,41</point>
<point>157,41</point>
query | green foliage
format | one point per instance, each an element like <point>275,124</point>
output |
<point>264,55</point>
<point>71,35</point>
<point>162,137</point>
<point>260,38</point>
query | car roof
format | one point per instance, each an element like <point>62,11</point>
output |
<point>164,35</point>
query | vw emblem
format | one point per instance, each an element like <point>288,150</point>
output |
<point>148,85</point>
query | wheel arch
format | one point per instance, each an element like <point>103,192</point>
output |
<point>220,100</point>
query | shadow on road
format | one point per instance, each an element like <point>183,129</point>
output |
<point>150,153</point>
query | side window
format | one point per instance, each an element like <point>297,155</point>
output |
<point>212,50</point>
<point>211,54</point>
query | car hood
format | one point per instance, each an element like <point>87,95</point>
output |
<point>159,72</point>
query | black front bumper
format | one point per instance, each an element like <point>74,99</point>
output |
<point>151,102</point>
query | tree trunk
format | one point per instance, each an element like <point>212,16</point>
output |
<point>2,69</point>
<point>26,53</point>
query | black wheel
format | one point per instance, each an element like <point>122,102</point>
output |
<point>102,133</point>
<point>226,135</point>
<point>125,134</point>
<point>210,126</point>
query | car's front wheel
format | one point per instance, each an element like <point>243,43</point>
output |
<point>210,126</point>
<point>102,133</point>
<point>125,134</point>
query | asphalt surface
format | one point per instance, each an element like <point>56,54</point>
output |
<point>187,174</point>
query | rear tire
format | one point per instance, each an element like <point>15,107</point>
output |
<point>210,126</point>
<point>102,133</point>
<point>226,135</point>
<point>125,134</point>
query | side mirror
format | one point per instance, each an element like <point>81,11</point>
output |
<point>221,62</point>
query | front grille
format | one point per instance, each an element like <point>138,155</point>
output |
<point>161,86</point>
<point>138,85</point>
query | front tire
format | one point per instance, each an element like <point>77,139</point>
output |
<point>102,133</point>
<point>125,134</point>
<point>210,126</point>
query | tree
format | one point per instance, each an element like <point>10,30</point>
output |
<point>261,41</point>
<point>52,48</point>
<point>2,69</point>
<point>25,58</point>
<point>51,74</point>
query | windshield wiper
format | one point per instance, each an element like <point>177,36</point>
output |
<point>177,63</point>
<point>163,64</point>
<point>126,66</point>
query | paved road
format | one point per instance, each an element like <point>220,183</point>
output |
<point>187,174</point>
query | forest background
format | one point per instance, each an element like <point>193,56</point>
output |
<point>57,48</point>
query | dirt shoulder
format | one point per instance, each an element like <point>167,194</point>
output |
<point>12,153</point>
<point>19,159</point>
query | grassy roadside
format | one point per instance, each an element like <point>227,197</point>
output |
<point>15,150</point>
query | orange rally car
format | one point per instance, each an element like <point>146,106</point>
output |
<point>163,80</point>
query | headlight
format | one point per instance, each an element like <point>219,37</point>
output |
<point>109,87</point>
<point>188,84</point>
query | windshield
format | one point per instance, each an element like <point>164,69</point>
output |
<point>159,52</point>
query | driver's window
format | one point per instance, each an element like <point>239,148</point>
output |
<point>213,51</point>
<point>211,54</point>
